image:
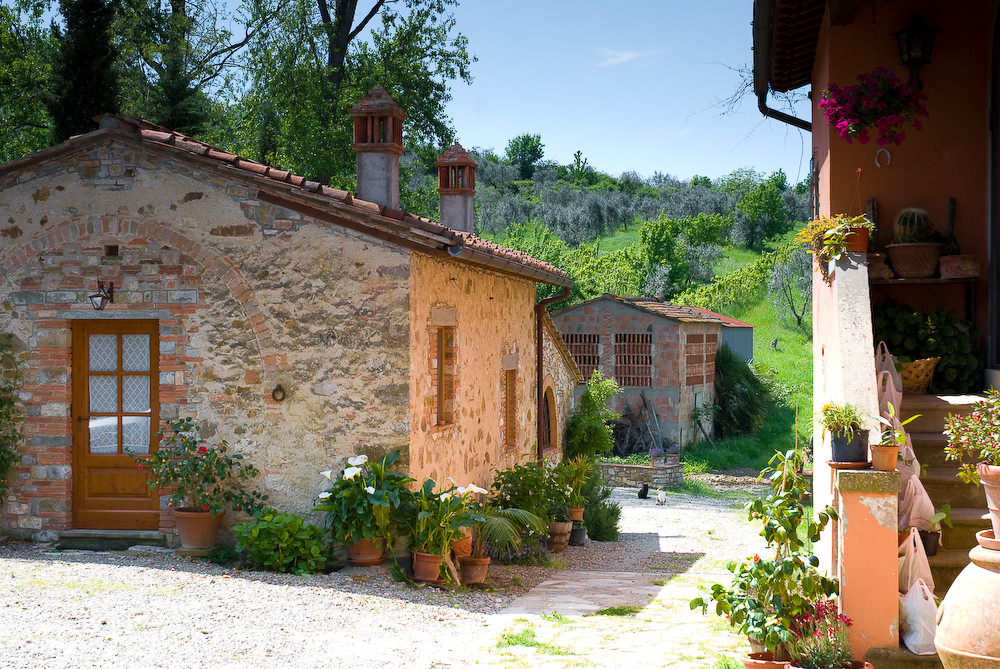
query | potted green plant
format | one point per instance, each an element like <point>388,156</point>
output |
<point>821,639</point>
<point>915,246</point>
<point>573,474</point>
<point>498,528</point>
<point>362,502</point>
<point>878,103</point>
<point>931,537</point>
<point>767,596</point>
<point>205,479</point>
<point>535,487</point>
<point>885,453</point>
<point>656,455</point>
<point>434,520</point>
<point>974,437</point>
<point>849,442</point>
<point>828,238</point>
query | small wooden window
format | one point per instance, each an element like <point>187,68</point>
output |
<point>443,367</point>
<point>547,424</point>
<point>586,351</point>
<point>510,408</point>
<point>634,358</point>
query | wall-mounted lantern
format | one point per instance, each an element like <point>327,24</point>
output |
<point>915,43</point>
<point>104,294</point>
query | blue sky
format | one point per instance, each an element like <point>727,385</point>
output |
<point>634,85</point>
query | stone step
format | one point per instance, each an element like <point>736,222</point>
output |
<point>944,487</point>
<point>966,521</point>
<point>929,449</point>
<point>108,540</point>
<point>933,410</point>
<point>945,568</point>
<point>900,658</point>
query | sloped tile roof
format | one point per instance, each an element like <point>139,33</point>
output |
<point>658,307</point>
<point>730,322</point>
<point>393,225</point>
<point>455,155</point>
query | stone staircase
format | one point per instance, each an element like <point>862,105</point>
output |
<point>968,507</point>
<point>968,502</point>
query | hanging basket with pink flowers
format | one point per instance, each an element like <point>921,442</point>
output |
<point>879,105</point>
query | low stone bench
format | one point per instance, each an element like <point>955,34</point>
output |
<point>633,476</point>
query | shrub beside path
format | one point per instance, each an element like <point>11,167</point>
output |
<point>153,609</point>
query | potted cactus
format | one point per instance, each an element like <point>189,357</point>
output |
<point>915,246</point>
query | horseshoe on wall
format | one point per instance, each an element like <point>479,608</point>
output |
<point>888,157</point>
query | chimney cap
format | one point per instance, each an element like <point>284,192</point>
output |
<point>377,101</point>
<point>455,155</point>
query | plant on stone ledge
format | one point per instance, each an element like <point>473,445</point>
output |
<point>767,597</point>
<point>10,413</point>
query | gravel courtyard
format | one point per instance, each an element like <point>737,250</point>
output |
<point>86,609</point>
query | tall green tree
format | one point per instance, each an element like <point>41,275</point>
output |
<point>525,151</point>
<point>84,81</point>
<point>26,53</point>
<point>314,63</point>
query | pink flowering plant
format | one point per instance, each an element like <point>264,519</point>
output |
<point>975,436</point>
<point>879,102</point>
<point>202,476</point>
<point>821,640</point>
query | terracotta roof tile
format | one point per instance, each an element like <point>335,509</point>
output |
<point>731,322</point>
<point>500,257</point>
<point>657,306</point>
<point>376,100</point>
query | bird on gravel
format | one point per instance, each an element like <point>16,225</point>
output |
<point>661,497</point>
<point>644,493</point>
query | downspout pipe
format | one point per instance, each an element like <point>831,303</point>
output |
<point>539,366</point>
<point>762,65</point>
<point>993,208</point>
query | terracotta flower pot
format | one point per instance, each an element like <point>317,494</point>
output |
<point>857,240</point>
<point>559,536</point>
<point>463,547</point>
<point>473,569</point>
<point>763,660</point>
<point>884,458</point>
<point>959,267</point>
<point>197,529</point>
<point>914,261</point>
<point>575,513</point>
<point>857,664</point>
<point>427,567</point>
<point>366,552</point>
<point>967,633</point>
<point>990,476</point>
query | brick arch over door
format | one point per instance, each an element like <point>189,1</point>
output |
<point>126,230</point>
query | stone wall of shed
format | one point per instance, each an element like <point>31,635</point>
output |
<point>493,317</point>
<point>247,295</point>
<point>561,379</point>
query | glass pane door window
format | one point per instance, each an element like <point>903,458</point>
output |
<point>120,381</point>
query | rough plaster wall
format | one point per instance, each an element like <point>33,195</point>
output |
<point>559,377</point>
<point>248,295</point>
<point>494,317</point>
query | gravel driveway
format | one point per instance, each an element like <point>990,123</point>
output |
<point>86,609</point>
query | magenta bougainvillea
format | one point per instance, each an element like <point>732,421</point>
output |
<point>879,103</point>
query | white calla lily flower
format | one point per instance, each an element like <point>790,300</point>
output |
<point>461,490</point>
<point>472,487</point>
<point>370,490</point>
<point>324,495</point>
<point>328,474</point>
<point>445,496</point>
<point>357,460</point>
<point>351,472</point>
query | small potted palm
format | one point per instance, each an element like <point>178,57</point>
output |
<point>573,474</point>
<point>496,528</point>
<point>849,442</point>
<point>362,502</point>
<point>972,440</point>
<point>205,480</point>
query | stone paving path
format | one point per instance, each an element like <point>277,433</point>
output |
<point>553,624</point>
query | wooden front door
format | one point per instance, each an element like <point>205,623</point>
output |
<point>115,411</point>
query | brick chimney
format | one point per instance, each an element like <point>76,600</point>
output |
<point>378,141</point>
<point>457,186</point>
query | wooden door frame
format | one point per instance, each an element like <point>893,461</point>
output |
<point>81,329</point>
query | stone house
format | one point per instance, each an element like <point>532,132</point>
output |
<point>654,349</point>
<point>301,323</point>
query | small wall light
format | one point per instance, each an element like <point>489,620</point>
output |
<point>915,43</point>
<point>104,294</point>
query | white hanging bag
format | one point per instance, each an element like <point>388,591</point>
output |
<point>913,564</point>
<point>918,619</point>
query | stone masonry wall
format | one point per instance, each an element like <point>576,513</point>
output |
<point>563,383</point>
<point>247,296</point>
<point>633,476</point>
<point>493,317</point>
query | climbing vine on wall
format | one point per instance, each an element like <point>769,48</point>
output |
<point>10,412</point>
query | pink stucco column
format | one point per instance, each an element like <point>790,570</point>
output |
<point>866,562</point>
